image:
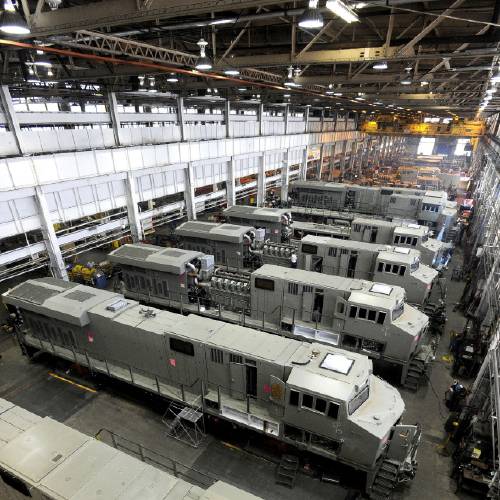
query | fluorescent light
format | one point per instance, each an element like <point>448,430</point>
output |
<point>231,72</point>
<point>172,78</point>
<point>329,92</point>
<point>423,83</point>
<point>380,65</point>
<point>406,81</point>
<point>343,11</point>
<point>311,18</point>
<point>338,94</point>
<point>228,20</point>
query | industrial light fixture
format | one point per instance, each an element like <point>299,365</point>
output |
<point>289,82</point>
<point>423,83</point>
<point>203,63</point>
<point>231,72</point>
<point>311,18</point>
<point>338,94</point>
<point>11,22</point>
<point>50,72</point>
<point>329,92</point>
<point>341,10</point>
<point>380,65</point>
<point>408,67</point>
<point>406,81</point>
<point>152,81</point>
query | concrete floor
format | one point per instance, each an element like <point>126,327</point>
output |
<point>235,460</point>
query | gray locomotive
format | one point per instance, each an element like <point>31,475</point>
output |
<point>312,396</point>
<point>430,208</point>
<point>300,304</point>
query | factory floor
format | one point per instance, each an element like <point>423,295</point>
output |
<point>233,457</point>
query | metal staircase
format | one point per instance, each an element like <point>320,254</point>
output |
<point>385,480</point>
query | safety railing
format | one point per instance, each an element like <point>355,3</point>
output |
<point>156,459</point>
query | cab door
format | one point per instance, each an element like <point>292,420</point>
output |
<point>237,380</point>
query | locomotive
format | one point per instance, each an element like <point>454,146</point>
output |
<point>315,397</point>
<point>299,304</point>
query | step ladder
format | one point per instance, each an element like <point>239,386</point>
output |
<point>385,480</point>
<point>286,472</point>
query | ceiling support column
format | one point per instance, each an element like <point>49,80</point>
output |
<point>114,117</point>
<point>260,117</point>
<point>303,165</point>
<point>285,177</point>
<point>180,118</point>
<point>231,184</point>
<point>11,116</point>
<point>261,182</point>
<point>286,118</point>
<point>134,219</point>
<point>227,118</point>
<point>189,198</point>
<point>57,265</point>
<point>319,167</point>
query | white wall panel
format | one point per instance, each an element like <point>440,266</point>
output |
<point>8,145</point>
<point>21,171</point>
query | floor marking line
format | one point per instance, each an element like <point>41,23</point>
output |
<point>84,387</point>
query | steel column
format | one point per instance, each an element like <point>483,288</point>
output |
<point>134,219</point>
<point>285,177</point>
<point>230,184</point>
<point>114,117</point>
<point>11,116</point>
<point>180,117</point>
<point>189,197</point>
<point>261,182</point>
<point>57,265</point>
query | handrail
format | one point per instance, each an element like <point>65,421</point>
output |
<point>146,455</point>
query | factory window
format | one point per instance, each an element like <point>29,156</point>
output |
<point>381,318</point>
<point>320,405</point>
<point>372,315</point>
<point>353,311</point>
<point>294,398</point>
<point>386,192</point>
<point>396,239</point>
<point>333,410</point>
<point>293,288</point>
<point>307,401</point>
<point>235,358</point>
<point>380,267</point>
<point>217,356</point>
<point>357,228</point>
<point>309,249</point>
<point>307,289</point>
<point>393,199</point>
<point>344,251</point>
<point>332,252</point>
<point>340,308</point>
<point>413,202</point>
<point>264,284</point>
<point>362,313</point>
<point>395,269</point>
<point>181,346</point>
<point>402,270</point>
<point>387,268</point>
<point>414,242</point>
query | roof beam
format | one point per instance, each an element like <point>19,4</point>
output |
<point>120,12</point>
<point>431,26</point>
